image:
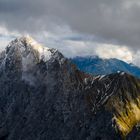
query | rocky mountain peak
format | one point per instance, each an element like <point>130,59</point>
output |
<point>27,52</point>
<point>40,90</point>
<point>27,45</point>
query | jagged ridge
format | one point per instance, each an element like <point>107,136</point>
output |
<point>119,94</point>
<point>51,99</point>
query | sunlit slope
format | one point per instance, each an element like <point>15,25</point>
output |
<point>119,94</point>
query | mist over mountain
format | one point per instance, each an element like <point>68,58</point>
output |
<point>44,96</point>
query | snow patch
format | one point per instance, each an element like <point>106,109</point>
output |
<point>44,52</point>
<point>118,71</point>
<point>122,73</point>
<point>101,77</point>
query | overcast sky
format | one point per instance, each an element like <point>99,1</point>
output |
<point>108,28</point>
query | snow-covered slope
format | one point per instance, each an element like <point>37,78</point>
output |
<point>43,96</point>
<point>23,54</point>
<point>29,49</point>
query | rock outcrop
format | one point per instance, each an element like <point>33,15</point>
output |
<point>43,96</point>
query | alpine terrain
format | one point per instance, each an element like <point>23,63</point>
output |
<point>43,96</point>
<point>98,66</point>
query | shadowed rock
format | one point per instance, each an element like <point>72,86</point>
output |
<point>44,96</point>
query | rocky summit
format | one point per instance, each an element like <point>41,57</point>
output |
<point>43,96</point>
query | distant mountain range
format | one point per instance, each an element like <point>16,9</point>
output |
<point>98,66</point>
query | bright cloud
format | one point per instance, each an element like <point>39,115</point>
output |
<point>114,51</point>
<point>6,36</point>
<point>72,44</point>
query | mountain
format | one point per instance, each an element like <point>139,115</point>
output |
<point>98,66</point>
<point>43,96</point>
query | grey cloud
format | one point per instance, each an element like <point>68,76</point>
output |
<point>113,20</point>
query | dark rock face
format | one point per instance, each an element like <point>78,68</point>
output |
<point>48,98</point>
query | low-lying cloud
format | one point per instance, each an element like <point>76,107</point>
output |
<point>108,28</point>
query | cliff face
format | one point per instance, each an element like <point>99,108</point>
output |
<point>44,96</point>
<point>118,94</point>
